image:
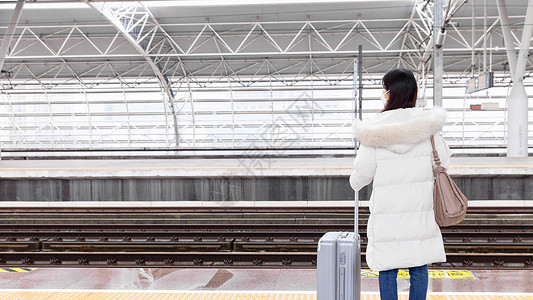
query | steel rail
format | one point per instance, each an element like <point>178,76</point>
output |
<point>240,246</point>
<point>513,233</point>
<point>240,227</point>
<point>236,260</point>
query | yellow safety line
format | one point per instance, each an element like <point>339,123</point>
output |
<point>12,270</point>
<point>450,274</point>
<point>18,270</point>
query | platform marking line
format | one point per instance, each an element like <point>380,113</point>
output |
<point>11,270</point>
<point>174,168</point>
<point>436,274</point>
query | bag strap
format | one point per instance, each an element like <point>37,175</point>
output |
<point>435,153</point>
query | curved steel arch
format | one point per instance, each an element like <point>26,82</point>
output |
<point>139,27</point>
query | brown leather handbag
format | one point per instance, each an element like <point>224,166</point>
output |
<point>449,203</point>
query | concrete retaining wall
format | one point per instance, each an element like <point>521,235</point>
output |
<point>236,189</point>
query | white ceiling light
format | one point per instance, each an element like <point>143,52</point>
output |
<point>185,3</point>
<point>37,5</point>
<point>193,3</point>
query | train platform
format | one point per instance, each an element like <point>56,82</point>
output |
<point>161,168</point>
<point>236,180</point>
<point>206,283</point>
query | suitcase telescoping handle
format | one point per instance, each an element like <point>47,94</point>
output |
<point>356,205</point>
<point>358,114</point>
<point>356,214</point>
<point>357,294</point>
<point>358,72</point>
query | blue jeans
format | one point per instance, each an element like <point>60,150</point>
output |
<point>388,288</point>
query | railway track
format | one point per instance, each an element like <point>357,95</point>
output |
<point>483,243</point>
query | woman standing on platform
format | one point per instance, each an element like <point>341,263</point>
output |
<point>395,152</point>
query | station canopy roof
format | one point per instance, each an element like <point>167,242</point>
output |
<point>197,34</point>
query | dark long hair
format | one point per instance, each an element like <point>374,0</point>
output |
<point>401,84</point>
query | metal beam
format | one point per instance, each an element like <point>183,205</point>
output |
<point>8,37</point>
<point>248,42</point>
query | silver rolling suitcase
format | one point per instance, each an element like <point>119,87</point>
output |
<point>339,266</point>
<point>339,263</point>
<point>339,253</point>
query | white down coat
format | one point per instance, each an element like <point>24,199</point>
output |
<point>396,154</point>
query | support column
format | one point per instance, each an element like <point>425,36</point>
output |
<point>517,101</point>
<point>507,37</point>
<point>437,53</point>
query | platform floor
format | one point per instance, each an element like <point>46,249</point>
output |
<point>173,283</point>
<point>99,295</point>
<point>320,166</point>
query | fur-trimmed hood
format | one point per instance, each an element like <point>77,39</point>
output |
<point>400,130</point>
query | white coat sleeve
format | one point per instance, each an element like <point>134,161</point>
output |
<point>364,167</point>
<point>443,150</point>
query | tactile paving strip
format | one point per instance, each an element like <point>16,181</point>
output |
<point>96,295</point>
